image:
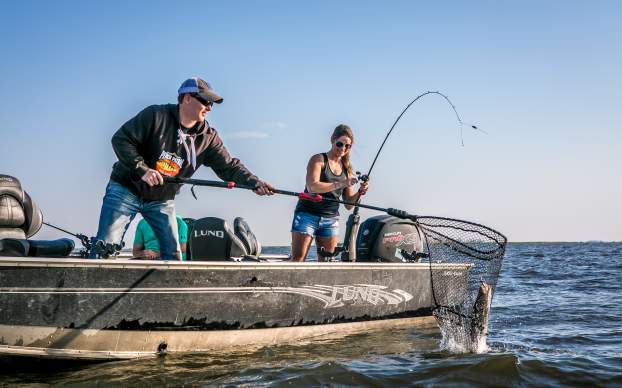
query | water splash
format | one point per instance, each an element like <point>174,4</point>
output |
<point>459,335</point>
<point>466,333</point>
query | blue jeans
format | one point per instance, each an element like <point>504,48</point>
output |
<point>315,226</point>
<point>119,208</point>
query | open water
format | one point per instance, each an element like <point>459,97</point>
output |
<point>556,320</point>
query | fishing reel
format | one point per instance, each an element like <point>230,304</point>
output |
<point>362,177</point>
<point>86,244</point>
<point>105,250</point>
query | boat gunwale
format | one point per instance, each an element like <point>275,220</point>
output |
<point>211,265</point>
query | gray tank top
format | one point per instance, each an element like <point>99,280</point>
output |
<point>325,209</point>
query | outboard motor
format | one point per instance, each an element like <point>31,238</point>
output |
<point>211,239</point>
<point>389,239</point>
<point>20,219</point>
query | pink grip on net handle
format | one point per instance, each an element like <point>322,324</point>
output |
<point>312,198</point>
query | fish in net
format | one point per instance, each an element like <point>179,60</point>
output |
<point>462,298</point>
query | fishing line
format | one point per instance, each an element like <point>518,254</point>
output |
<point>451,104</point>
<point>353,219</point>
<point>86,242</point>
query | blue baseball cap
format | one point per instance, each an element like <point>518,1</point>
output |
<point>200,87</point>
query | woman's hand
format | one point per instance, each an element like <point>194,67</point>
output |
<point>352,181</point>
<point>363,187</point>
<point>344,183</point>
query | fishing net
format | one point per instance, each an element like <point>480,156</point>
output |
<point>465,259</point>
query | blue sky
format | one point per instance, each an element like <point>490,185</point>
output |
<point>542,78</point>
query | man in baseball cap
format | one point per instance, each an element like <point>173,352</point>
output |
<point>203,89</point>
<point>164,140</point>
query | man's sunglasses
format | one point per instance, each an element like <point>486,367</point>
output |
<point>202,100</point>
<point>341,144</point>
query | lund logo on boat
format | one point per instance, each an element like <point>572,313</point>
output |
<point>209,233</point>
<point>340,295</point>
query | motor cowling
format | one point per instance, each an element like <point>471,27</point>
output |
<point>386,238</point>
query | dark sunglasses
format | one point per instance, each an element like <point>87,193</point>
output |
<point>202,100</point>
<point>340,144</point>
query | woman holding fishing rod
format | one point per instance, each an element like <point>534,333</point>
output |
<point>331,175</point>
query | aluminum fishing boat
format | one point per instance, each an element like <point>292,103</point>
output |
<point>114,309</point>
<point>228,295</point>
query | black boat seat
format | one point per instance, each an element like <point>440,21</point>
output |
<point>20,219</point>
<point>36,248</point>
<point>243,231</point>
<point>20,216</point>
<point>211,239</point>
<point>17,247</point>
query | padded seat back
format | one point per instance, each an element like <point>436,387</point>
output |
<point>20,216</point>
<point>243,231</point>
<point>20,219</point>
<point>211,239</point>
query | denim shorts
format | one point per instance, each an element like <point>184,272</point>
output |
<point>315,226</point>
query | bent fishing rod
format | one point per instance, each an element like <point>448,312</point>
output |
<point>353,219</point>
<point>451,104</point>
<point>301,195</point>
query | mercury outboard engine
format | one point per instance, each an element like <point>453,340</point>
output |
<point>20,219</point>
<point>211,239</point>
<point>389,239</point>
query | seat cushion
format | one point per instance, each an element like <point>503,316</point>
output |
<point>14,247</point>
<point>11,212</point>
<point>243,232</point>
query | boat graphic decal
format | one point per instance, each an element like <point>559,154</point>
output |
<point>410,238</point>
<point>339,295</point>
<point>332,296</point>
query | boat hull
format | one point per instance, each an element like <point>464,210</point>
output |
<point>128,308</point>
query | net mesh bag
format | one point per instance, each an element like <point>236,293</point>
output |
<point>465,260</point>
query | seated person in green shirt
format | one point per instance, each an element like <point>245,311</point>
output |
<point>146,244</point>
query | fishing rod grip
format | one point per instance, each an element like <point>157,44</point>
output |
<point>401,214</point>
<point>310,197</point>
<point>202,182</point>
<point>231,185</point>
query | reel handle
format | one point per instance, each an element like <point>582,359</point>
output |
<point>362,177</point>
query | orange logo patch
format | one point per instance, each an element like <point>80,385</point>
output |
<point>167,167</point>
